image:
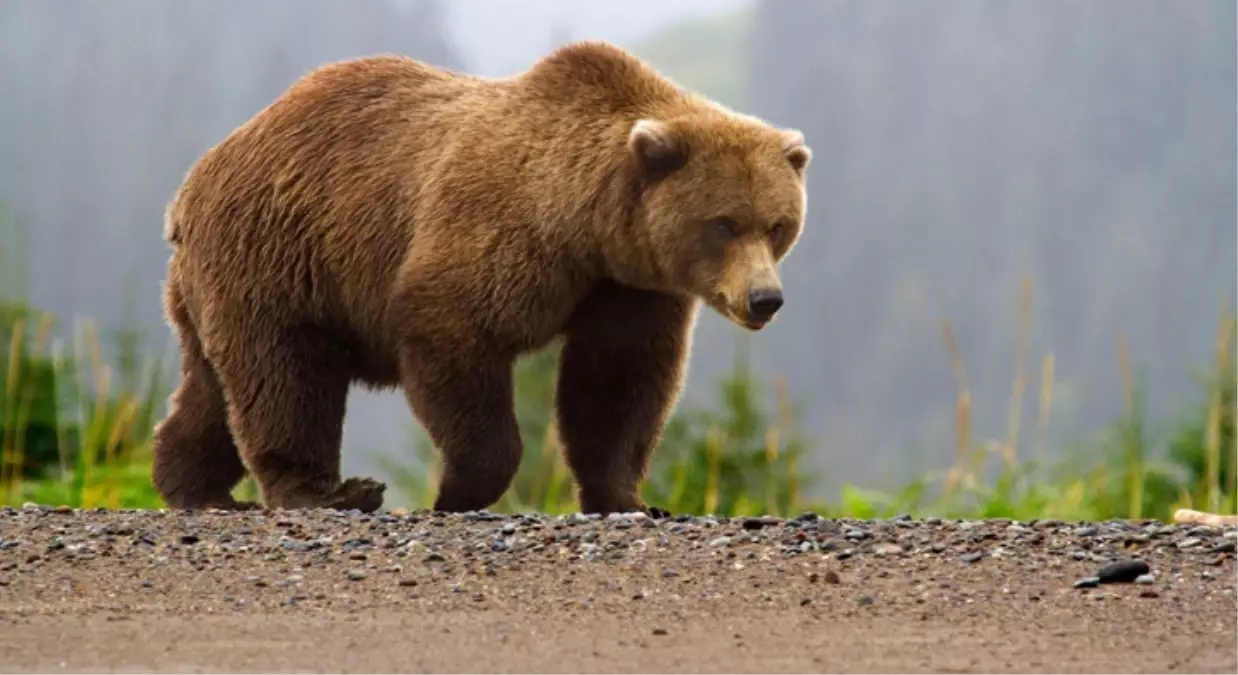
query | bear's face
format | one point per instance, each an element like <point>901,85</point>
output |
<point>722,203</point>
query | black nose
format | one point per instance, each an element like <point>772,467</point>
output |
<point>763,303</point>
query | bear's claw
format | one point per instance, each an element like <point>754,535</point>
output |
<point>363,494</point>
<point>657,513</point>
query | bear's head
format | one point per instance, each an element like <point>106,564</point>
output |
<point>721,203</point>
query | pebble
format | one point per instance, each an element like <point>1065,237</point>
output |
<point>660,632</point>
<point>310,551</point>
<point>1122,571</point>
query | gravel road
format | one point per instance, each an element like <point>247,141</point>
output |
<point>310,591</point>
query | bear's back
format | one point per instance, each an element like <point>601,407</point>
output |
<point>302,212</point>
<point>331,126</point>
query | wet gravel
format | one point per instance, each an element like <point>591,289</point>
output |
<point>660,576</point>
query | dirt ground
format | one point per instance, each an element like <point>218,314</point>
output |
<point>323,591</point>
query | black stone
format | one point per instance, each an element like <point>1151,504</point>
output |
<point>1122,571</point>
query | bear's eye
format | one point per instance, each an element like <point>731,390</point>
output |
<point>725,226</point>
<point>777,229</point>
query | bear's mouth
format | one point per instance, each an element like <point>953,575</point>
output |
<point>718,301</point>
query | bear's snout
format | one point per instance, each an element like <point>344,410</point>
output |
<point>763,303</point>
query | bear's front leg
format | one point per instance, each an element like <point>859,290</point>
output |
<point>620,375</point>
<point>463,398</point>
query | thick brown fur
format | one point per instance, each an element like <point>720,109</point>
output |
<point>388,223</point>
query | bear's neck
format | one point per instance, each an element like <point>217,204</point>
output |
<point>622,253</point>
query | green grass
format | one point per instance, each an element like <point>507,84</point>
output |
<point>92,424</point>
<point>736,457</point>
<point>100,421</point>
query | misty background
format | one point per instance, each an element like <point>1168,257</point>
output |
<point>958,147</point>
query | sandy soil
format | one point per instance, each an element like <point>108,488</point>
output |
<point>324,591</point>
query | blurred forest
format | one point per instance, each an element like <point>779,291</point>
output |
<point>959,148</point>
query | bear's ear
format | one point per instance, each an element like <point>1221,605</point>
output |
<point>657,147</point>
<point>796,150</point>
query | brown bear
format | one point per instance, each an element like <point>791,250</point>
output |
<point>393,224</point>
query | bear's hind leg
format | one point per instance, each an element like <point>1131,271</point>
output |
<point>287,397</point>
<point>620,374</point>
<point>196,464</point>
